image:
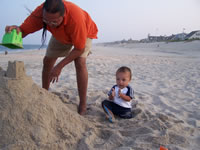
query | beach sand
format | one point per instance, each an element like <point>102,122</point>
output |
<point>166,81</point>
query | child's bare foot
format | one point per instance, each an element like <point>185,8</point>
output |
<point>109,114</point>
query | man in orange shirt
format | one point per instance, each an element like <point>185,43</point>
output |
<point>72,32</point>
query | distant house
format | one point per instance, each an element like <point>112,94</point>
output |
<point>176,37</point>
<point>156,38</point>
<point>193,35</point>
<point>169,38</point>
<point>179,37</point>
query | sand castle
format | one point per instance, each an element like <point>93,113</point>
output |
<point>15,70</point>
<point>33,118</point>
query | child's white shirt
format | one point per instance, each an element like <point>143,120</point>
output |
<point>120,101</point>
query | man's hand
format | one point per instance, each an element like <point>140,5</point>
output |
<point>10,28</point>
<point>55,72</point>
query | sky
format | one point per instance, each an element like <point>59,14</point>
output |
<point>117,19</point>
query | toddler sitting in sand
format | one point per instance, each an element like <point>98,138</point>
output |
<point>120,96</point>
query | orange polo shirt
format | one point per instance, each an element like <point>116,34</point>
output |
<point>76,27</point>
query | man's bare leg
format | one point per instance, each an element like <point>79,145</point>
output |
<point>82,83</point>
<point>48,64</point>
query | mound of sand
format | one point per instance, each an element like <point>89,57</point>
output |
<point>33,118</point>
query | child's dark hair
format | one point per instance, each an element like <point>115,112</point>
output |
<point>124,69</point>
<point>52,6</point>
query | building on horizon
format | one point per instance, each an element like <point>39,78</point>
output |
<point>193,35</point>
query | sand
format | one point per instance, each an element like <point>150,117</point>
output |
<point>166,80</point>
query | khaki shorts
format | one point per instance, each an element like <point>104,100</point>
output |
<point>58,49</point>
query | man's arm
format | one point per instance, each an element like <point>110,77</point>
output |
<point>75,53</point>
<point>31,24</point>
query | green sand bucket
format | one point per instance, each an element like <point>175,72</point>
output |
<point>12,40</point>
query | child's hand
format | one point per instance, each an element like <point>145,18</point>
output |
<point>112,95</point>
<point>113,92</point>
<point>123,96</point>
<point>119,93</point>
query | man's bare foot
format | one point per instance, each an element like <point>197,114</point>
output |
<point>82,110</point>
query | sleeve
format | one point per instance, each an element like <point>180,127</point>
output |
<point>79,28</point>
<point>79,35</point>
<point>33,22</point>
<point>130,92</point>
